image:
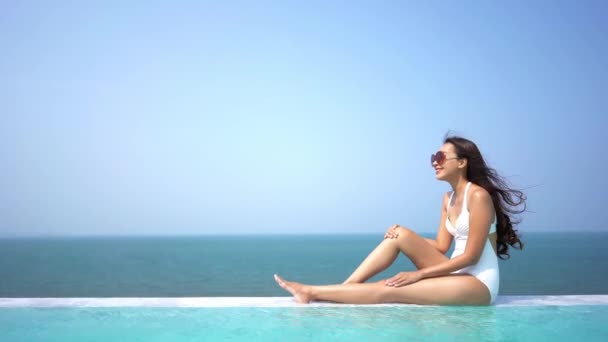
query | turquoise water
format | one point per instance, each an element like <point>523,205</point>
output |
<point>551,264</point>
<point>533,323</point>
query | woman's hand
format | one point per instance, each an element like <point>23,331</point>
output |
<point>403,278</point>
<point>391,233</point>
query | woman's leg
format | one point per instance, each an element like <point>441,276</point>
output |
<point>447,290</point>
<point>415,247</point>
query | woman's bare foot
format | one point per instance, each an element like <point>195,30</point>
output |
<point>300,292</point>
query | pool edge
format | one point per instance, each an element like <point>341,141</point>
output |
<point>563,300</point>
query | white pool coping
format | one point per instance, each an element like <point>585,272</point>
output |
<point>225,302</point>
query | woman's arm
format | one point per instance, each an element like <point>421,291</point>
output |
<point>444,239</point>
<point>481,216</point>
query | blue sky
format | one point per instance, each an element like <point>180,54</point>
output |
<point>293,117</point>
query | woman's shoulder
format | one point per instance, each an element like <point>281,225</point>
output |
<point>478,194</point>
<point>478,190</point>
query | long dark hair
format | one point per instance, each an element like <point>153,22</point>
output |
<point>507,202</point>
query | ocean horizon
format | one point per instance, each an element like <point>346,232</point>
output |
<point>235,265</point>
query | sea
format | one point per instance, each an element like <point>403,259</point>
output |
<point>564,263</point>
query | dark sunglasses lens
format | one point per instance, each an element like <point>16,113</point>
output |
<point>434,158</point>
<point>439,157</point>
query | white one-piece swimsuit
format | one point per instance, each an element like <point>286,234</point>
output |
<point>486,269</point>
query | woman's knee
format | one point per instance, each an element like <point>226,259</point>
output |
<point>404,233</point>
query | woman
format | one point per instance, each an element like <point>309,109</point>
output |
<point>477,214</point>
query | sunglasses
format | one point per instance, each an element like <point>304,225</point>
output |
<point>440,158</point>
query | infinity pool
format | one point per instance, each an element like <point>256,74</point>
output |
<point>559,318</point>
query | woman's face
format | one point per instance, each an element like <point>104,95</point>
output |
<point>445,162</point>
